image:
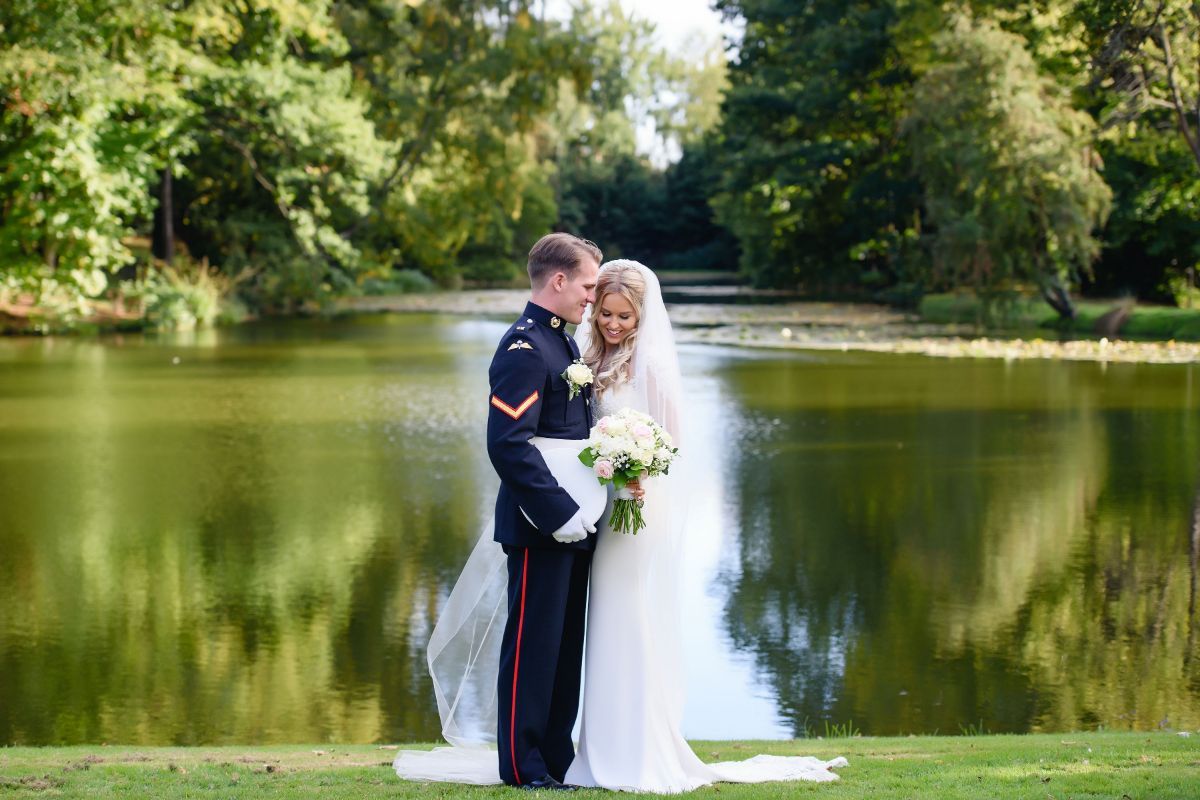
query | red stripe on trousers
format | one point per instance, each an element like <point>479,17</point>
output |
<point>512,720</point>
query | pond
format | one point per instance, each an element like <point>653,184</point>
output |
<point>243,536</point>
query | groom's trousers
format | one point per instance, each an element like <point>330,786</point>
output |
<point>541,658</point>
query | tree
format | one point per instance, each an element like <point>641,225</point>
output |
<point>610,188</point>
<point>695,83</point>
<point>285,157</point>
<point>284,153</point>
<point>592,134</point>
<point>1146,93</point>
<point>1153,234</point>
<point>1011,182</point>
<point>306,143</point>
<point>1147,56</point>
<point>84,114</point>
<point>818,189</point>
<point>244,102</point>
<point>464,88</point>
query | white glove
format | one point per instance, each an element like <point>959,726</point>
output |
<point>576,529</point>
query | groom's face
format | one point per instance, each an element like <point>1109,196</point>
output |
<point>579,290</point>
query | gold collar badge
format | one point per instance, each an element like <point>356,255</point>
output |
<point>555,322</point>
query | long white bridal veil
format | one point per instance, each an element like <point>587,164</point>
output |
<point>464,658</point>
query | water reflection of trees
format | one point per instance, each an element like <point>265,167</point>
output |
<point>233,557</point>
<point>252,548</point>
<point>962,542</point>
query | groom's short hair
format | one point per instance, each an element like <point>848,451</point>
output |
<point>559,252</point>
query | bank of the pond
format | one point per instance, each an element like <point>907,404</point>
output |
<point>1160,765</point>
<point>819,326</point>
<point>1111,318</point>
<point>945,327</point>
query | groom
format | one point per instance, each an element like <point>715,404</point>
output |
<point>541,527</point>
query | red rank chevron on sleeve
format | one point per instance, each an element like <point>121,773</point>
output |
<point>515,413</point>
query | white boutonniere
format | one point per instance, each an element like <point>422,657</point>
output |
<point>577,376</point>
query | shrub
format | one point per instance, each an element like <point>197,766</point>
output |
<point>401,281</point>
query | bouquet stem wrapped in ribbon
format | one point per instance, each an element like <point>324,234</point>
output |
<point>628,446</point>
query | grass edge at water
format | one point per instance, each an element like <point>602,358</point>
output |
<point>1031,315</point>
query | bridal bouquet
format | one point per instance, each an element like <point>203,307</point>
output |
<point>623,447</point>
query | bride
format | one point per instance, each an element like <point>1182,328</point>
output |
<point>630,731</point>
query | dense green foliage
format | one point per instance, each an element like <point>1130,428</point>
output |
<point>299,146</point>
<point>900,147</point>
<point>248,108</point>
<point>1010,184</point>
<point>610,192</point>
<point>287,151</point>
<point>817,186</point>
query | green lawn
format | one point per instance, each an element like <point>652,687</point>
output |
<point>1145,321</point>
<point>1076,765</point>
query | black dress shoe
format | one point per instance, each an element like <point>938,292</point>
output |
<point>548,782</point>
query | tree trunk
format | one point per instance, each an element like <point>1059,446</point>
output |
<point>1057,296</point>
<point>165,240</point>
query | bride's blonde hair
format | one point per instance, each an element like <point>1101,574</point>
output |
<point>627,281</point>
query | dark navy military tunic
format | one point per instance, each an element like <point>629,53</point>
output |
<point>530,398</point>
<point>541,653</point>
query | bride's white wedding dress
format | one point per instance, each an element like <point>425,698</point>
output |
<point>633,689</point>
<point>630,735</point>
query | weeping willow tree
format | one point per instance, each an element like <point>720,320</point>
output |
<point>1012,186</point>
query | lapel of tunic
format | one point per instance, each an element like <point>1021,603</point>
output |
<point>586,394</point>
